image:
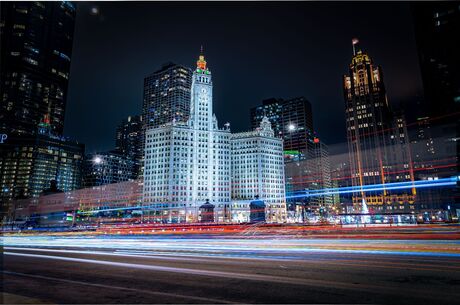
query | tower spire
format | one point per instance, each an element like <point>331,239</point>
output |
<point>354,42</point>
<point>201,63</point>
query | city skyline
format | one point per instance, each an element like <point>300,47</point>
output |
<point>244,153</point>
<point>118,95</point>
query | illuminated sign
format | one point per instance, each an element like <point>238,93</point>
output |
<point>3,137</point>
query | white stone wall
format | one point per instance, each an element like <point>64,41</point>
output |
<point>189,163</point>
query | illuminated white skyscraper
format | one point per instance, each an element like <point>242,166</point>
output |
<point>188,164</point>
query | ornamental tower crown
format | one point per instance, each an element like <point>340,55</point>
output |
<point>201,63</point>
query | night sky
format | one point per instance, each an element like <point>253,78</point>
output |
<point>254,50</point>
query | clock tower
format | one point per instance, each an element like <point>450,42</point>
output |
<point>201,104</point>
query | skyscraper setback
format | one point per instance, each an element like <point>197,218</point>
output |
<point>377,139</point>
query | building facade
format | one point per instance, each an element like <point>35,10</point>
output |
<point>167,96</point>
<point>166,99</point>
<point>188,165</point>
<point>108,167</point>
<point>378,143</point>
<point>258,172</point>
<point>36,50</point>
<point>436,26</point>
<point>307,181</point>
<point>29,163</point>
<point>36,40</point>
<point>129,141</point>
<point>291,119</point>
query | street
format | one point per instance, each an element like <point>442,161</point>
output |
<point>229,270</point>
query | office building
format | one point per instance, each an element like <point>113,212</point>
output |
<point>29,163</point>
<point>291,119</point>
<point>129,140</point>
<point>188,165</point>
<point>436,25</point>
<point>167,96</point>
<point>258,172</point>
<point>108,167</point>
<point>377,139</point>
<point>36,40</point>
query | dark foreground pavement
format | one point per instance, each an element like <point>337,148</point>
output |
<point>102,276</point>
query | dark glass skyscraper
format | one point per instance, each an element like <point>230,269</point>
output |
<point>377,138</point>
<point>292,119</point>
<point>167,96</point>
<point>107,168</point>
<point>36,50</point>
<point>437,28</point>
<point>129,139</point>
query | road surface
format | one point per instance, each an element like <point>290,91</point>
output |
<point>166,269</point>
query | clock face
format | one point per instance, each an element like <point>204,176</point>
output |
<point>203,90</point>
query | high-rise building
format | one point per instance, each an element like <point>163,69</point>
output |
<point>187,169</point>
<point>291,119</point>
<point>108,167</point>
<point>258,172</point>
<point>377,139</point>
<point>436,25</point>
<point>36,40</point>
<point>36,50</point>
<point>272,109</point>
<point>188,163</point>
<point>29,163</point>
<point>129,140</point>
<point>434,157</point>
<point>305,179</point>
<point>167,96</point>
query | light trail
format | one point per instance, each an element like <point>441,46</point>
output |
<point>283,249</point>
<point>378,187</point>
<point>290,280</point>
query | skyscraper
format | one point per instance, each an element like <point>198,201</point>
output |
<point>129,140</point>
<point>167,96</point>
<point>166,99</point>
<point>377,139</point>
<point>292,119</point>
<point>188,165</point>
<point>36,40</point>
<point>437,28</point>
<point>108,167</point>
<point>28,163</point>
<point>36,50</point>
